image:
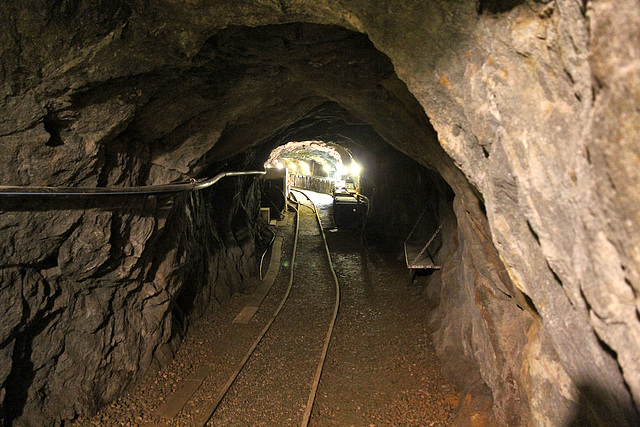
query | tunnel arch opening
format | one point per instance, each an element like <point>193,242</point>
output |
<point>398,188</point>
<point>154,103</point>
<point>247,92</point>
<point>314,158</point>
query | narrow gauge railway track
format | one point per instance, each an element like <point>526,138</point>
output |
<point>277,378</point>
<point>327,340</point>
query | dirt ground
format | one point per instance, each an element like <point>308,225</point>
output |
<point>380,369</point>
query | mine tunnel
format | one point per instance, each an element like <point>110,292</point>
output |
<point>507,130</point>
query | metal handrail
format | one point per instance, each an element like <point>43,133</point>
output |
<point>146,190</point>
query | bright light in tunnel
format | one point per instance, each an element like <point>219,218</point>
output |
<point>305,169</point>
<point>355,168</point>
<point>313,157</point>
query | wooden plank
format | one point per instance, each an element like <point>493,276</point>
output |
<point>245,316</point>
<point>176,401</point>
<point>188,386</point>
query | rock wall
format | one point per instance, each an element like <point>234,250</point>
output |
<point>527,150</point>
<point>526,108</point>
<point>102,294</point>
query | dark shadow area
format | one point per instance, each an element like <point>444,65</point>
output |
<point>416,276</point>
<point>22,372</point>
<point>219,220</point>
<point>498,6</point>
<point>597,408</point>
<point>19,380</point>
<point>135,204</point>
<point>405,198</point>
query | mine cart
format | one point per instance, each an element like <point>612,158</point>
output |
<point>349,209</point>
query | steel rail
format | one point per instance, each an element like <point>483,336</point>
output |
<point>327,338</point>
<point>146,190</point>
<point>211,409</point>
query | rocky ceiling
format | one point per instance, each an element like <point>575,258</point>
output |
<point>528,109</point>
<point>323,153</point>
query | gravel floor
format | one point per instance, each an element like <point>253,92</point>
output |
<point>381,368</point>
<point>274,386</point>
<point>380,371</point>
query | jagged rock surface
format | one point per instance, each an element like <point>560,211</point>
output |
<point>535,107</point>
